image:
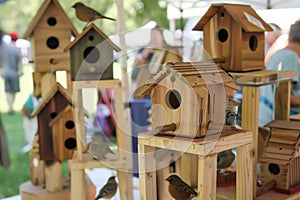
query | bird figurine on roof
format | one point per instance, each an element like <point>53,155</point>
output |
<point>180,190</point>
<point>109,189</point>
<point>87,14</point>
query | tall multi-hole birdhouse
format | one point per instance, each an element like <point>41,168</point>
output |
<point>234,33</point>
<point>188,99</point>
<point>92,55</point>
<point>280,160</point>
<point>55,102</point>
<point>50,32</point>
<point>64,134</point>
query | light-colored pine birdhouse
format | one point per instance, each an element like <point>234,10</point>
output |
<point>64,134</point>
<point>91,55</point>
<point>50,32</point>
<point>188,99</point>
<point>234,34</point>
<point>54,103</point>
<point>280,160</point>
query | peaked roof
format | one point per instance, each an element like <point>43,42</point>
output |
<point>85,31</point>
<point>68,108</point>
<point>196,74</point>
<point>246,16</point>
<point>42,11</point>
<point>56,88</point>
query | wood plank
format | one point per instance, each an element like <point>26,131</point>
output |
<point>147,172</point>
<point>244,170</point>
<point>77,184</point>
<point>282,101</point>
<point>207,177</point>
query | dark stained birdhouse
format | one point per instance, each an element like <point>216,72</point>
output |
<point>92,55</point>
<point>188,99</point>
<point>48,109</point>
<point>64,134</point>
<point>234,35</point>
<point>50,32</point>
<point>280,160</point>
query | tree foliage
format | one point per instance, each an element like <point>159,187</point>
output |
<point>17,14</point>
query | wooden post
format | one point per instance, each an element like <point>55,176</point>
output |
<point>147,172</point>
<point>282,101</point>
<point>250,105</point>
<point>207,177</point>
<point>244,172</point>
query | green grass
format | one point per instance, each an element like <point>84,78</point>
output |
<point>19,170</point>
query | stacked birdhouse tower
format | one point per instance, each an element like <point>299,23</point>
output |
<point>50,32</point>
<point>234,34</point>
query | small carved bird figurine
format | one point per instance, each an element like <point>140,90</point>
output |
<point>180,190</point>
<point>98,149</point>
<point>87,14</point>
<point>109,189</point>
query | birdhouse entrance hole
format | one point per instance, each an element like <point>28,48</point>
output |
<point>91,54</point>
<point>253,43</point>
<point>70,143</point>
<point>173,99</point>
<point>51,21</point>
<point>223,35</point>
<point>53,115</point>
<point>69,124</point>
<point>52,42</point>
<point>274,169</point>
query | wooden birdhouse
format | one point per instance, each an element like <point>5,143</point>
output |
<point>234,34</point>
<point>188,99</point>
<point>280,160</point>
<point>50,32</point>
<point>91,55</point>
<point>64,134</point>
<point>48,109</point>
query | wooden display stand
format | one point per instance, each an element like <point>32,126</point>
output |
<point>123,164</point>
<point>251,82</point>
<point>206,149</point>
<point>28,191</point>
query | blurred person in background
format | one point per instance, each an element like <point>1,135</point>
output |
<point>11,69</point>
<point>284,59</point>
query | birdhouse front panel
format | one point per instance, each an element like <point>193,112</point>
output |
<point>175,108</point>
<point>64,135</point>
<point>92,58</point>
<point>55,105</point>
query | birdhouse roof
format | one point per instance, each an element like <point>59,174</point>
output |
<point>197,74</point>
<point>245,15</point>
<point>88,29</point>
<point>283,124</point>
<point>283,143</point>
<point>62,113</point>
<point>56,88</point>
<point>42,10</point>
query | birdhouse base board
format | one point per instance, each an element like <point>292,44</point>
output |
<point>291,190</point>
<point>28,191</point>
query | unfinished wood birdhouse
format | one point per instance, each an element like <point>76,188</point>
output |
<point>188,99</point>
<point>50,32</point>
<point>64,134</point>
<point>234,34</point>
<point>91,55</point>
<point>51,105</point>
<point>280,160</point>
